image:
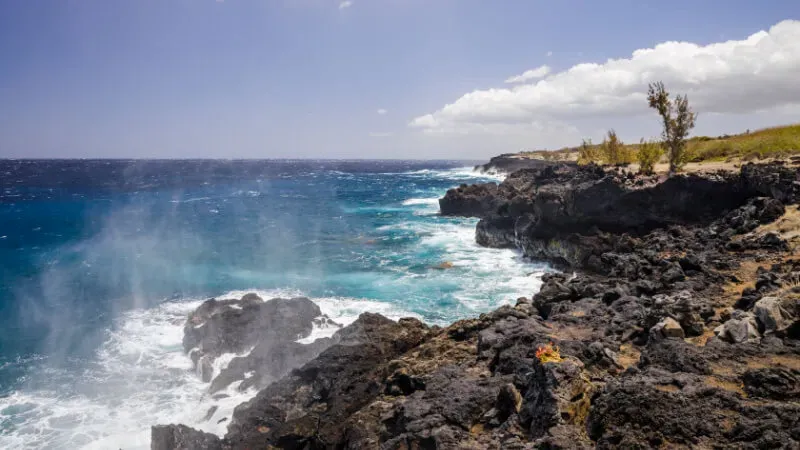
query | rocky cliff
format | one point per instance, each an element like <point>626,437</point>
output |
<point>675,326</point>
<point>511,162</point>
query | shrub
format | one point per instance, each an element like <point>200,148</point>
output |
<point>677,120</point>
<point>648,155</point>
<point>614,152</point>
<point>611,148</point>
<point>588,153</point>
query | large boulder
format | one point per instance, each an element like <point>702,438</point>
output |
<point>307,408</point>
<point>233,326</point>
<point>772,315</point>
<point>266,330</point>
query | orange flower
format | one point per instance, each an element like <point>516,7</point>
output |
<point>548,353</point>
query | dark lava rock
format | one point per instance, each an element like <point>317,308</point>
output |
<point>181,437</point>
<point>268,329</point>
<point>775,382</point>
<point>310,406</point>
<point>511,162</point>
<point>233,326</point>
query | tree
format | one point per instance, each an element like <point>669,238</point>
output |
<point>677,120</point>
<point>588,153</point>
<point>648,155</point>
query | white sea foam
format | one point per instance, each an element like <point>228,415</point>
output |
<point>345,311</point>
<point>486,277</point>
<point>421,201</point>
<point>140,377</point>
<point>456,174</point>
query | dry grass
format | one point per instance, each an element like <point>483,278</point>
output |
<point>768,142</point>
<point>727,151</point>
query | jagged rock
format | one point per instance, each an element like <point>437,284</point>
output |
<point>777,383</point>
<point>558,393</point>
<point>509,401</point>
<point>635,413</point>
<point>310,406</point>
<point>473,201</point>
<point>181,437</point>
<point>233,326</point>
<point>267,329</point>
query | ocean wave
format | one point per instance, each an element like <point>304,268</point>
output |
<point>456,174</point>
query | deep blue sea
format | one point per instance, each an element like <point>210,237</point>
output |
<point>101,260</point>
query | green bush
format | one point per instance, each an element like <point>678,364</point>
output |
<point>648,155</point>
<point>588,153</point>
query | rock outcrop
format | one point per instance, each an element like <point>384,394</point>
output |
<point>677,326</point>
<point>511,162</point>
<point>264,333</point>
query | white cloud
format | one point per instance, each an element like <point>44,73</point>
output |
<point>529,75</point>
<point>756,74</point>
<point>381,134</point>
<point>345,4</point>
<point>550,53</point>
<point>382,112</point>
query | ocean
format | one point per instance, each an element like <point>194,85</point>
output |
<point>101,261</point>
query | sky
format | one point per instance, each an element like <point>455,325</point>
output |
<point>399,79</point>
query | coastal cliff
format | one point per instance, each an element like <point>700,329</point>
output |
<point>674,324</point>
<point>511,162</point>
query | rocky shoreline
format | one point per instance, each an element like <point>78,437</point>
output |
<point>674,324</point>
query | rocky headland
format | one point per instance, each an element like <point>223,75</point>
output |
<point>511,162</point>
<point>673,323</point>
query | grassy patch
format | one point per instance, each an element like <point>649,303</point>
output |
<point>767,143</point>
<point>775,142</point>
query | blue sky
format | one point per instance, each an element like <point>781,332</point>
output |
<point>307,78</point>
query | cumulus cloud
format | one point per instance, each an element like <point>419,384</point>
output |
<point>345,4</point>
<point>382,112</point>
<point>533,74</point>
<point>738,76</point>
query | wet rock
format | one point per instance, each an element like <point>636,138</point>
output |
<point>476,200</point>
<point>233,326</point>
<point>181,437</point>
<point>267,331</point>
<point>210,413</point>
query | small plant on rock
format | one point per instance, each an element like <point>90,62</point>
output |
<point>548,353</point>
